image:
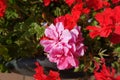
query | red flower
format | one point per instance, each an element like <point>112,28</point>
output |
<point>105,31</point>
<point>105,73</point>
<point>117,30</point>
<point>86,10</point>
<point>115,1</point>
<point>41,76</point>
<point>2,7</point>
<point>109,25</point>
<point>53,75</point>
<point>68,21</point>
<point>78,1</point>
<point>115,38</point>
<point>47,2</point>
<point>70,2</point>
<point>76,11</point>
<point>98,31</point>
<point>104,18</point>
<point>96,4</point>
<point>39,72</point>
<point>118,77</point>
<point>95,31</point>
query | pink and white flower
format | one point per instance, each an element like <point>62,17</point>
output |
<point>63,46</point>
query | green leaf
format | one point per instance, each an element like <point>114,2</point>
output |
<point>11,1</point>
<point>4,52</point>
<point>94,23</point>
<point>80,68</point>
<point>76,69</point>
<point>24,26</point>
<point>11,14</point>
<point>37,29</point>
<point>117,50</point>
<point>97,59</point>
<point>57,11</point>
<point>102,53</point>
<point>83,17</point>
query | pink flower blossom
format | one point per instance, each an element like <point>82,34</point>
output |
<point>63,46</point>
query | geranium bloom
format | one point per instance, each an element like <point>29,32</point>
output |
<point>105,73</point>
<point>39,72</point>
<point>77,11</point>
<point>2,7</point>
<point>63,46</point>
<point>96,4</point>
<point>105,22</point>
<point>46,2</point>
<point>109,25</point>
<point>115,38</point>
<point>70,2</point>
<point>115,1</point>
<point>68,21</point>
<point>53,75</point>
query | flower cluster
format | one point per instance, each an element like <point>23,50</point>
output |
<point>63,40</point>
<point>40,75</point>
<point>115,1</point>
<point>97,4</point>
<point>109,25</point>
<point>105,73</point>
<point>76,32</point>
<point>2,7</point>
<point>63,45</point>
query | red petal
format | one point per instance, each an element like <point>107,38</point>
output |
<point>117,30</point>
<point>46,2</point>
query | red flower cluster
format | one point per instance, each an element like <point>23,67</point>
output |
<point>109,25</point>
<point>115,1</point>
<point>70,20</point>
<point>41,76</point>
<point>105,73</point>
<point>96,4</point>
<point>2,7</point>
<point>70,2</point>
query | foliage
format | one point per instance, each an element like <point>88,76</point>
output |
<point>20,30</point>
